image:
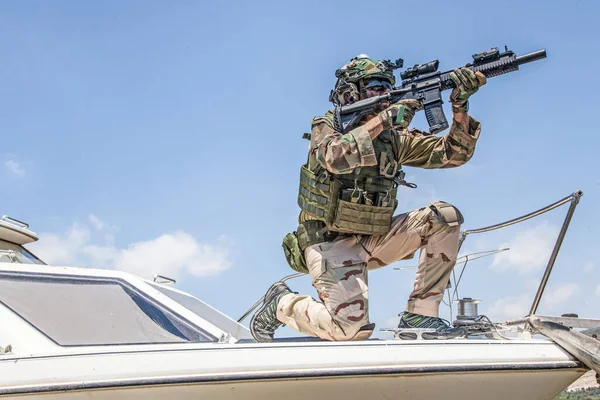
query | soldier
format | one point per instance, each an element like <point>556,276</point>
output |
<point>347,198</point>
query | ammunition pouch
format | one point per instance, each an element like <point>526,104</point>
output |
<point>372,218</point>
<point>293,253</point>
<point>318,194</point>
<point>365,209</point>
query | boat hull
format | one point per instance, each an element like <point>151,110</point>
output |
<point>491,385</point>
<point>373,370</point>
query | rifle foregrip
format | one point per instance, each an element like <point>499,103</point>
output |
<point>435,117</point>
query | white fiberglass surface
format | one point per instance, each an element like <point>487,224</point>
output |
<point>91,311</point>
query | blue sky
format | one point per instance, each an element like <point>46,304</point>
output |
<point>165,137</point>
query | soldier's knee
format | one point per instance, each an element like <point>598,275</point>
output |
<point>447,214</point>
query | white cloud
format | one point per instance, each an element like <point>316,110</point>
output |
<point>109,238</point>
<point>589,268</point>
<point>558,295</point>
<point>61,249</point>
<point>529,250</point>
<point>15,168</point>
<point>511,307</point>
<point>170,254</point>
<point>96,222</point>
<point>100,256</point>
<point>598,291</point>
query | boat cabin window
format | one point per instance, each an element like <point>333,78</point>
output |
<point>79,311</point>
<point>10,252</point>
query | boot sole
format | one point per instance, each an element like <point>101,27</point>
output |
<point>258,337</point>
<point>268,296</point>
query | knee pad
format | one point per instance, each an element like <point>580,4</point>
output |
<point>447,213</point>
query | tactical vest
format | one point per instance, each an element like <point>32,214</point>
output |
<point>361,202</point>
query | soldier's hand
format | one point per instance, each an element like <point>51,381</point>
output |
<point>399,115</point>
<point>466,83</point>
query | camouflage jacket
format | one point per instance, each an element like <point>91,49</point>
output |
<point>342,153</point>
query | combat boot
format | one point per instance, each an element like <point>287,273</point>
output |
<point>436,328</point>
<point>264,322</point>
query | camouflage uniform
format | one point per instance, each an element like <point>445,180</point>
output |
<point>347,195</point>
<point>339,268</point>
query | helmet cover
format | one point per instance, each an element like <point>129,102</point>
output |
<point>353,75</point>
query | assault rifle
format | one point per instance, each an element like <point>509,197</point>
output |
<point>425,83</point>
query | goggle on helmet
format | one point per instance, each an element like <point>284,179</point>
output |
<point>354,78</point>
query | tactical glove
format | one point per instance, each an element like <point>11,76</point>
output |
<point>399,115</point>
<point>466,83</point>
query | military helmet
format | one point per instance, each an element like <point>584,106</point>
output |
<point>352,76</point>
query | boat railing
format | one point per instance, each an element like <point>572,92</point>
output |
<point>574,200</point>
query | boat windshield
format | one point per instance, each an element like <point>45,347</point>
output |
<point>30,258</point>
<point>83,311</point>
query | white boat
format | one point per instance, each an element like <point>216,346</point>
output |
<point>72,333</point>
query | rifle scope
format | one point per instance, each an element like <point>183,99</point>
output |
<point>420,69</point>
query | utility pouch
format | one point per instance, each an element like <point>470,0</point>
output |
<point>313,232</point>
<point>293,254</point>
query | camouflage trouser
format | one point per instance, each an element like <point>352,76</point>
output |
<point>338,271</point>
